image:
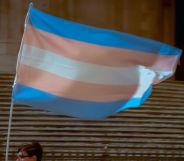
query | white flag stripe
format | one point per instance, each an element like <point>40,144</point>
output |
<point>84,72</point>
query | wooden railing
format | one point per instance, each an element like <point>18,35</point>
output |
<point>153,132</point>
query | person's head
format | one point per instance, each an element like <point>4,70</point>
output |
<point>30,152</point>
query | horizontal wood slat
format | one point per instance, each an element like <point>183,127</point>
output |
<point>152,132</point>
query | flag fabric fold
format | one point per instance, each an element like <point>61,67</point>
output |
<point>87,72</point>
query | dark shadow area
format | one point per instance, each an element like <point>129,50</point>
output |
<point>180,37</point>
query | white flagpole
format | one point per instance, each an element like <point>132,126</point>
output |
<point>11,107</point>
<point>9,131</point>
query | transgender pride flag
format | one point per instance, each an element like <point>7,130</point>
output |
<point>86,72</point>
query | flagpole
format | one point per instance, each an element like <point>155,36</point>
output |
<point>9,131</point>
<point>11,107</point>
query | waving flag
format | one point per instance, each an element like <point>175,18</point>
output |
<point>82,71</point>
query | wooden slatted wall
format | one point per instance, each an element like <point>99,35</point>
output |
<point>154,131</point>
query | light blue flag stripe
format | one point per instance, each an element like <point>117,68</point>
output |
<point>76,108</point>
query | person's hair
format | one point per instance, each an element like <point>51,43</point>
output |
<point>32,149</point>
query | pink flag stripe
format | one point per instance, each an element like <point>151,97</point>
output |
<point>86,52</point>
<point>64,87</point>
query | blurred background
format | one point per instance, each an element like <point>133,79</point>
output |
<point>153,132</point>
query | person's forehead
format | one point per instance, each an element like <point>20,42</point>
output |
<point>22,153</point>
